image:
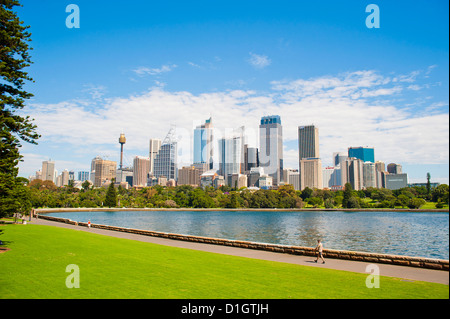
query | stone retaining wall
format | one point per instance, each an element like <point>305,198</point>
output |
<point>439,264</point>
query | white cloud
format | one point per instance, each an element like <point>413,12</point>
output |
<point>259,61</point>
<point>142,71</point>
<point>350,109</point>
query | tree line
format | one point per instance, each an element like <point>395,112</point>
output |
<point>46,194</point>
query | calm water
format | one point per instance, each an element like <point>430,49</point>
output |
<point>412,234</point>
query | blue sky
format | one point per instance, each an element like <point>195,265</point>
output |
<point>141,67</point>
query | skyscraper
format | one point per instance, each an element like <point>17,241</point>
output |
<point>311,173</point>
<point>154,146</point>
<point>166,161</point>
<point>310,165</point>
<point>203,144</point>
<point>308,142</point>
<point>352,172</point>
<point>394,168</point>
<point>141,168</point>
<point>271,147</point>
<point>251,158</point>
<point>369,175</point>
<point>366,154</point>
<point>65,177</point>
<point>48,171</point>
<point>83,176</point>
<point>230,156</point>
<point>104,171</point>
<point>338,158</point>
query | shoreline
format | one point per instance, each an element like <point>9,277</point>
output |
<point>400,260</point>
<point>111,209</point>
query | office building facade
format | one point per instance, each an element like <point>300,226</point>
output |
<point>165,163</point>
<point>189,176</point>
<point>308,142</point>
<point>48,171</point>
<point>310,165</point>
<point>396,181</point>
<point>369,175</point>
<point>353,172</point>
<point>271,147</point>
<point>141,169</point>
<point>365,154</point>
<point>311,173</point>
<point>230,156</point>
<point>203,144</point>
<point>154,147</point>
<point>104,171</point>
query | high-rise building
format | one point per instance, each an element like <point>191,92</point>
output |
<point>308,142</point>
<point>251,158</point>
<point>292,176</point>
<point>369,175</point>
<point>189,176</point>
<point>154,146</point>
<point>165,163</point>
<point>238,180</point>
<point>311,173</point>
<point>65,177</point>
<point>338,158</point>
<point>203,144</point>
<point>271,147</point>
<point>329,176</point>
<point>48,171</point>
<point>396,181</point>
<point>366,154</point>
<point>393,168</point>
<point>380,170</point>
<point>230,156</point>
<point>141,168</point>
<point>352,172</point>
<point>254,175</point>
<point>83,176</point>
<point>104,171</point>
<point>310,165</point>
<point>93,168</point>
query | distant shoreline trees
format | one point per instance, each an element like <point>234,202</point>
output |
<point>45,194</point>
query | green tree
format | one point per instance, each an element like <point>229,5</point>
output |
<point>306,193</point>
<point>416,203</point>
<point>85,185</point>
<point>403,200</point>
<point>428,183</point>
<point>441,194</point>
<point>348,193</point>
<point>111,196</point>
<point>353,202</point>
<point>14,128</point>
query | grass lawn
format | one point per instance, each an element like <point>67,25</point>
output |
<point>35,267</point>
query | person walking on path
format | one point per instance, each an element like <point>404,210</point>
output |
<point>319,249</point>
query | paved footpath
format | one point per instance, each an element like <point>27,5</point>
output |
<point>406,273</point>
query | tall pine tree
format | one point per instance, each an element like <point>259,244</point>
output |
<point>111,195</point>
<point>14,128</point>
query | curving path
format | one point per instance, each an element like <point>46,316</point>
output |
<point>406,273</point>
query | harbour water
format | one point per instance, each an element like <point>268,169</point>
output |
<point>418,234</point>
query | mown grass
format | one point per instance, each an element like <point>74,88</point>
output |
<point>35,267</point>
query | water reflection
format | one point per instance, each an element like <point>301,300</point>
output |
<point>413,234</point>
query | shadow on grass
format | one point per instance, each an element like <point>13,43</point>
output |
<point>4,244</point>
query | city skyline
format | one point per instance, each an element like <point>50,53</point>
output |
<point>318,64</point>
<point>357,167</point>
